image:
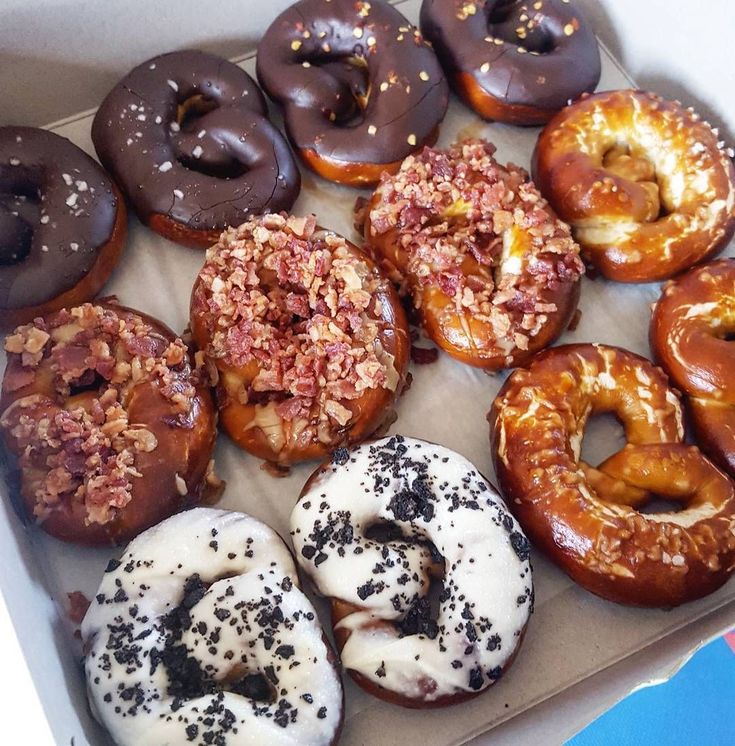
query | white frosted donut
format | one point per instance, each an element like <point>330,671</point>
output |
<point>435,503</point>
<point>200,635</point>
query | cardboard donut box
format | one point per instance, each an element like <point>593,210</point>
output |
<point>581,653</point>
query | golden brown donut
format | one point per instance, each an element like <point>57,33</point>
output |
<point>111,427</point>
<point>588,520</point>
<point>690,338</point>
<point>493,274</point>
<point>644,183</point>
<point>309,339</point>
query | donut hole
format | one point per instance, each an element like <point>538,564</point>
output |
<point>661,504</point>
<point>633,164</point>
<point>504,22</point>
<point>384,532</point>
<point>194,108</point>
<point>89,381</point>
<point>353,81</point>
<point>604,435</point>
<point>254,686</point>
<point>19,212</point>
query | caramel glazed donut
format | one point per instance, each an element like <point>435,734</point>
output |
<point>187,138</point>
<point>645,184</point>
<point>373,527</point>
<point>590,520</point>
<point>493,275</point>
<point>63,225</point>
<point>308,340</point>
<point>359,86</point>
<point>690,332</point>
<point>200,634</point>
<point>512,61</point>
<point>111,427</point>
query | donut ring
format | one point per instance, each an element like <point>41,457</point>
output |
<point>644,183</point>
<point>689,338</point>
<point>310,341</point>
<point>589,520</point>
<point>513,61</point>
<point>359,87</point>
<point>186,136</point>
<point>111,427</point>
<point>212,645</point>
<point>440,518</point>
<point>493,275</point>
<point>63,225</point>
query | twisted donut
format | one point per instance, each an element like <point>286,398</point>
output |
<point>493,275</point>
<point>644,183</point>
<point>111,427</point>
<point>690,332</point>
<point>200,634</point>
<point>373,528</point>
<point>186,136</point>
<point>513,61</point>
<point>588,520</point>
<point>309,339</point>
<point>63,225</point>
<point>359,87</point>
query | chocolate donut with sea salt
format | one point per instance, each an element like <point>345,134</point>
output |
<point>187,138</point>
<point>200,634</point>
<point>373,527</point>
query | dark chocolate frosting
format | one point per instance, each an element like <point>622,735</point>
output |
<point>356,80</point>
<point>186,136</point>
<point>539,54</point>
<point>57,209</point>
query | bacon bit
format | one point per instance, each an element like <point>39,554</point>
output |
<point>424,355</point>
<point>574,322</point>
<point>78,605</point>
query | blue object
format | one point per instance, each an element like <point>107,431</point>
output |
<point>696,707</point>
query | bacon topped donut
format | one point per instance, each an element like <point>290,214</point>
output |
<point>111,427</point>
<point>309,339</point>
<point>645,184</point>
<point>515,61</point>
<point>382,525</point>
<point>199,634</point>
<point>359,86</point>
<point>590,521</point>
<point>690,337</point>
<point>187,138</point>
<point>493,274</point>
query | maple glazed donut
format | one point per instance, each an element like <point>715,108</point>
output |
<point>493,274</point>
<point>110,425</point>
<point>359,86</point>
<point>309,339</point>
<point>439,518</point>
<point>187,138</point>
<point>644,183</point>
<point>513,61</point>
<point>215,644</point>
<point>63,225</point>
<point>690,338</point>
<point>589,520</point>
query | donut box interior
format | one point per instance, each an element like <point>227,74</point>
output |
<point>572,636</point>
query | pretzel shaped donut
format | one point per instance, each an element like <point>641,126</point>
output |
<point>513,61</point>
<point>63,225</point>
<point>374,529</point>
<point>111,427</point>
<point>309,339</point>
<point>200,634</point>
<point>359,86</point>
<point>644,183</point>
<point>589,520</point>
<point>493,275</point>
<point>689,338</point>
<point>187,138</point>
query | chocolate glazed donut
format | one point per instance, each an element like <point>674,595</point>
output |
<point>512,61</point>
<point>360,87</point>
<point>62,224</point>
<point>187,138</point>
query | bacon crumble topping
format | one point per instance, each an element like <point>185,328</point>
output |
<point>479,231</point>
<point>73,435</point>
<point>299,303</point>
